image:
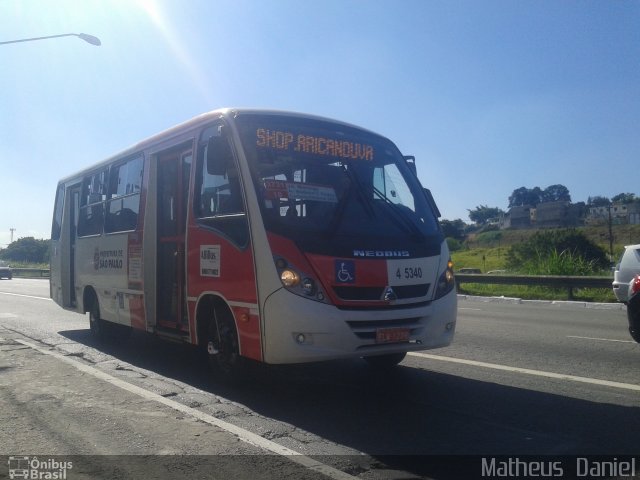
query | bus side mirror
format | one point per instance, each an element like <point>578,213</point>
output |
<point>411,163</point>
<point>219,155</point>
<point>432,202</point>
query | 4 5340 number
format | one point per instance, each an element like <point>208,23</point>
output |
<point>409,273</point>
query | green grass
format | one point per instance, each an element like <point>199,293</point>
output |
<point>600,295</point>
<point>486,259</point>
<point>622,235</point>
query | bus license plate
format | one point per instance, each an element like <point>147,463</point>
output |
<point>392,335</point>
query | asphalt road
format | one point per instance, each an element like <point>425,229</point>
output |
<point>520,379</point>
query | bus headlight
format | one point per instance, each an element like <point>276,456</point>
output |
<point>289,278</point>
<point>446,281</point>
<point>298,281</point>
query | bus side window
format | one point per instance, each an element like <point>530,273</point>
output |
<point>92,207</point>
<point>218,195</point>
<point>123,205</point>
<point>56,227</point>
<point>220,187</point>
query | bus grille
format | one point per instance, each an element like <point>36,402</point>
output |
<point>375,293</point>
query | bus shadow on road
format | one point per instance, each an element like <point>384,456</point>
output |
<point>409,410</point>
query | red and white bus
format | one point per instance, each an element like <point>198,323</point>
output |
<point>265,235</point>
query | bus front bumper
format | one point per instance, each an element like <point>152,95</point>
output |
<point>299,330</point>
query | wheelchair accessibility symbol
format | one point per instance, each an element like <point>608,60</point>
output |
<point>345,271</point>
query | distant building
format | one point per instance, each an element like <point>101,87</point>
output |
<point>551,214</point>
<point>545,215</point>
<point>518,217</point>
<point>621,213</point>
<point>566,214</point>
<point>560,214</point>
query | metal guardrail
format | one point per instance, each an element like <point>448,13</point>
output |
<point>30,272</point>
<point>568,282</point>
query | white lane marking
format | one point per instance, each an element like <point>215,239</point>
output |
<point>242,434</point>
<point>26,296</point>
<point>601,339</point>
<point>527,371</point>
<point>469,308</point>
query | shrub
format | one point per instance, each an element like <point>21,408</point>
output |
<point>454,245</point>
<point>489,237</point>
<point>557,252</point>
<point>559,263</point>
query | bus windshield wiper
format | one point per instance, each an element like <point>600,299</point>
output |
<point>356,186</point>
<point>405,221</point>
<point>366,203</point>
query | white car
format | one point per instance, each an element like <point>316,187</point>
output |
<point>633,308</point>
<point>627,268</point>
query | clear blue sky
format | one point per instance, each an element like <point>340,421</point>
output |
<point>488,95</point>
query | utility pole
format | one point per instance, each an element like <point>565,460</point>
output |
<point>12,230</point>
<point>610,235</point>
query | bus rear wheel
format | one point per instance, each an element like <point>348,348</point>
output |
<point>104,331</point>
<point>222,347</point>
<point>96,324</point>
<point>388,360</point>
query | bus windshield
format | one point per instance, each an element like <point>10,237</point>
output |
<point>317,178</point>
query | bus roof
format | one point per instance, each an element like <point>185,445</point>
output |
<point>196,122</point>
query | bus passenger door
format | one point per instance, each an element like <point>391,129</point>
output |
<point>74,194</point>
<point>174,169</point>
<point>63,243</point>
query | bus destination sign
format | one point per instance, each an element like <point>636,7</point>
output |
<point>289,141</point>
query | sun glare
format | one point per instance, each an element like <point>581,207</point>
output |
<point>177,46</point>
<point>151,8</point>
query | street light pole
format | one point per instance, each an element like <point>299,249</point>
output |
<point>87,38</point>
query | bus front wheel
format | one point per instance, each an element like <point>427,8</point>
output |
<point>222,346</point>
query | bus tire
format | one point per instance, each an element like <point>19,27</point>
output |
<point>103,330</point>
<point>223,350</point>
<point>388,360</point>
<point>96,324</point>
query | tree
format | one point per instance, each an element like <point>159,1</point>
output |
<point>598,201</point>
<point>27,249</point>
<point>533,196</point>
<point>555,193</point>
<point>525,196</point>
<point>624,198</point>
<point>482,214</point>
<point>453,228</point>
<point>453,244</point>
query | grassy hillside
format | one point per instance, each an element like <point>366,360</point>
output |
<point>487,251</point>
